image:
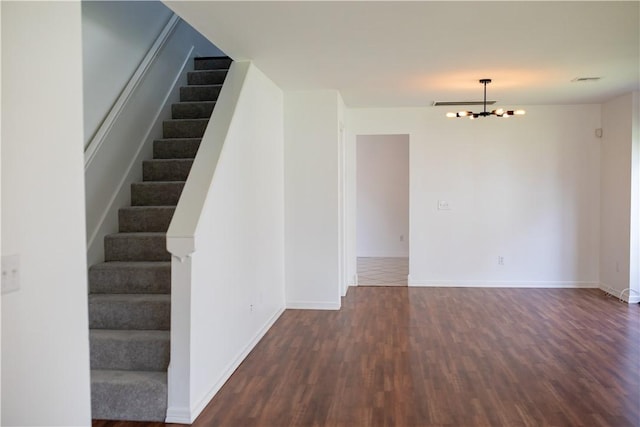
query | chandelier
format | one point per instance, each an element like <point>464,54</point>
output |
<point>500,112</point>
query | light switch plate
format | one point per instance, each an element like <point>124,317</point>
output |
<point>10,273</point>
<point>443,205</point>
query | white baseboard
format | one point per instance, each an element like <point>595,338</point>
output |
<point>499,284</point>
<point>627,295</point>
<point>188,415</point>
<point>178,416</point>
<point>312,305</point>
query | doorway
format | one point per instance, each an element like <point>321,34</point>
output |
<point>382,209</point>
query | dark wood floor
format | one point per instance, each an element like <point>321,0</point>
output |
<point>441,357</point>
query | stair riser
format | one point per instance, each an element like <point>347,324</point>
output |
<point>199,93</point>
<point>212,63</point>
<point>192,110</point>
<point>131,355</point>
<point>156,194</point>
<point>147,279</point>
<point>166,170</point>
<point>184,128</point>
<point>208,77</point>
<point>150,219</point>
<point>135,248</point>
<point>175,149</point>
<point>144,315</point>
<point>121,400</point>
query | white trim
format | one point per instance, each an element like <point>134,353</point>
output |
<point>187,416</point>
<point>178,415</point>
<point>500,284</point>
<point>312,305</point>
<point>627,295</point>
<point>98,139</point>
<point>134,160</point>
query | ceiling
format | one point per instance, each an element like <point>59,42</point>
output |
<point>410,54</point>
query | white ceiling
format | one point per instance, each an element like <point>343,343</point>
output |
<point>408,54</point>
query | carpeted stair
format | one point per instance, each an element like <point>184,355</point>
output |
<point>130,293</point>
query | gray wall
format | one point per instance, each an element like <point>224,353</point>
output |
<point>115,38</point>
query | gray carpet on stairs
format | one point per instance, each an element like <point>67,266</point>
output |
<point>130,293</point>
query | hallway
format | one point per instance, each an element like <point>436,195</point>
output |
<point>379,271</point>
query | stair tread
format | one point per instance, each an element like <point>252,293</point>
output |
<point>142,208</point>
<point>158,183</point>
<point>187,120</point>
<point>188,139</point>
<point>203,86</point>
<point>129,395</point>
<point>178,159</point>
<point>138,234</point>
<point>130,297</point>
<point>128,377</point>
<point>130,334</point>
<point>132,264</point>
<point>196,102</point>
<point>209,71</point>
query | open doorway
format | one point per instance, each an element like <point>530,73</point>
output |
<point>382,209</point>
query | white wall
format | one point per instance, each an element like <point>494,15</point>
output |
<point>634,271</point>
<point>0,212</point>
<point>115,37</point>
<point>311,199</point>
<point>382,207</point>
<point>237,269</point>
<point>128,139</point>
<point>45,335</point>
<point>522,188</point>
<point>619,119</point>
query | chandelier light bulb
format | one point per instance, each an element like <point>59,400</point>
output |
<point>451,114</point>
<point>519,112</point>
<point>463,113</point>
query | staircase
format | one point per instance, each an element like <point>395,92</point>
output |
<point>130,293</point>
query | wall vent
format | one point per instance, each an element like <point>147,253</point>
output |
<point>460,103</point>
<point>586,79</point>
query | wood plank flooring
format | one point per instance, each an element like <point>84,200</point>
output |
<point>441,357</point>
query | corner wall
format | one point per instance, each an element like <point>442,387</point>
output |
<point>230,289</point>
<point>619,193</point>
<point>523,188</point>
<point>312,207</point>
<point>45,332</point>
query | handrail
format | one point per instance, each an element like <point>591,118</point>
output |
<point>182,230</point>
<point>100,135</point>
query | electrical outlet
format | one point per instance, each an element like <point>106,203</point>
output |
<point>10,273</point>
<point>500,260</point>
